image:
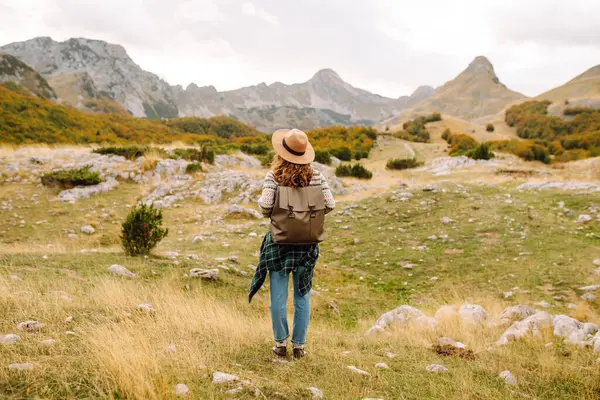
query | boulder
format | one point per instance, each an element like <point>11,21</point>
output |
<point>569,328</point>
<point>9,338</point>
<point>145,308</point>
<point>21,367</point>
<point>588,297</point>
<point>472,314</point>
<point>119,270</point>
<point>382,365</point>
<point>316,393</point>
<point>355,370</point>
<point>181,390</point>
<point>87,229</point>
<point>236,209</point>
<point>402,316</point>
<point>508,378</point>
<point>438,368</point>
<point>533,324</point>
<point>30,326</point>
<point>221,378</point>
<point>516,313</point>
<point>208,274</point>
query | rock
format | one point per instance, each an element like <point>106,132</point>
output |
<point>78,193</point>
<point>596,343</point>
<point>358,371</point>
<point>588,297</point>
<point>21,367</point>
<point>596,261</point>
<point>429,188</point>
<point>252,235</point>
<point>172,254</point>
<point>591,288</point>
<point>472,314</point>
<point>508,378</point>
<point>145,307</point>
<point>197,239</point>
<point>316,393</point>
<point>583,218</point>
<point>9,338</point>
<point>235,390</point>
<point>391,355</point>
<point>68,320</point>
<point>171,348</point>
<point>446,220</point>
<point>516,313</point>
<point>446,313</point>
<point>236,209</point>
<point>446,341</point>
<point>181,390</point>
<point>589,328</point>
<point>30,326</point>
<point>543,304</point>
<point>402,316</point>
<point>569,328</point>
<point>87,229</point>
<point>208,274</point>
<point>119,270</point>
<point>533,324</point>
<point>436,368</point>
<point>221,377</point>
<point>48,342</point>
<point>382,365</point>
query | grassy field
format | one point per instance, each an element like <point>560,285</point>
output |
<point>500,240</point>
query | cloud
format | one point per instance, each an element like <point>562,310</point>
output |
<point>249,10</point>
<point>376,44</point>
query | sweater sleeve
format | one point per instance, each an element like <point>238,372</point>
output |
<point>267,198</point>
<point>329,200</point>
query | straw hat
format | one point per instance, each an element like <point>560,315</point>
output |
<point>292,145</point>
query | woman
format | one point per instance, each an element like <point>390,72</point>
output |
<point>290,169</point>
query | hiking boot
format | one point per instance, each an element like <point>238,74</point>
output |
<point>280,351</point>
<point>299,353</point>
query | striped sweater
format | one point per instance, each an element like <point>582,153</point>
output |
<point>267,199</point>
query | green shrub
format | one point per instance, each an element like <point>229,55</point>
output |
<point>68,178</point>
<point>188,154</point>
<point>489,127</point>
<point>142,230</point>
<point>482,152</point>
<point>403,163</point>
<point>255,149</point>
<point>193,168</point>
<point>323,157</point>
<point>343,153</point>
<point>356,170</point>
<point>129,152</point>
<point>446,134</point>
<point>572,111</point>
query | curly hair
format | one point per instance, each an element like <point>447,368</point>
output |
<point>290,174</point>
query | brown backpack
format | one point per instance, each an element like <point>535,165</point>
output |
<point>298,215</point>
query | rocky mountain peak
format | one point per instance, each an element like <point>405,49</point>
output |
<point>327,76</point>
<point>482,66</point>
<point>423,91</point>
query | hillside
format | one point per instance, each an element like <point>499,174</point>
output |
<point>110,68</point>
<point>14,71</point>
<point>27,119</point>
<point>475,94</point>
<point>583,90</point>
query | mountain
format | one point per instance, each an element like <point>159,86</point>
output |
<point>324,99</point>
<point>112,71</point>
<point>583,90</point>
<point>84,71</point>
<point>474,95</point>
<point>15,71</point>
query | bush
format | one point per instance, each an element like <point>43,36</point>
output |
<point>255,149</point>
<point>489,127</point>
<point>129,152</point>
<point>403,163</point>
<point>68,178</point>
<point>204,154</point>
<point>323,157</point>
<point>343,153</point>
<point>482,152</point>
<point>193,168</point>
<point>266,160</point>
<point>446,134</point>
<point>356,170</point>
<point>142,230</point>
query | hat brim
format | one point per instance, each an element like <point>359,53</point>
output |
<point>277,141</point>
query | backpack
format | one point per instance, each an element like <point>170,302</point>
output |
<point>298,215</point>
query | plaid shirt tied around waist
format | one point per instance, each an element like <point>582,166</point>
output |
<point>285,258</point>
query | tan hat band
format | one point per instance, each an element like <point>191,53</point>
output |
<point>292,151</point>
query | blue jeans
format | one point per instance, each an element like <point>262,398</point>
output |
<point>279,295</point>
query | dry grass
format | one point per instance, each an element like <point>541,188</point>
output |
<point>151,158</point>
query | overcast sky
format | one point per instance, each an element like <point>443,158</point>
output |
<point>386,46</point>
